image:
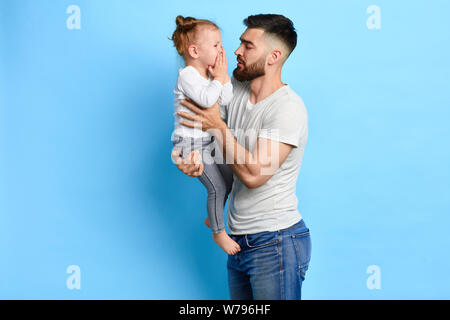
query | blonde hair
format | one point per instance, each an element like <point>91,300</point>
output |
<point>185,32</point>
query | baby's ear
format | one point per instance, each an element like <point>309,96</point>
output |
<point>193,51</point>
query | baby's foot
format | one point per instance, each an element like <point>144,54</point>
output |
<point>226,243</point>
<point>207,222</point>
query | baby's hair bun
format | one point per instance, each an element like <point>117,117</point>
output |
<point>185,24</point>
<point>179,20</point>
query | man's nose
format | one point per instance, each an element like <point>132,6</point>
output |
<point>237,52</point>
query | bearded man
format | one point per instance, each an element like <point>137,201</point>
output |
<point>262,141</point>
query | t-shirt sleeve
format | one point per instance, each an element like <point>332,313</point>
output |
<point>223,112</point>
<point>285,123</point>
<point>190,84</point>
<point>227,93</point>
<point>225,99</point>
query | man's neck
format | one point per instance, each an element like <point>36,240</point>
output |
<point>264,86</point>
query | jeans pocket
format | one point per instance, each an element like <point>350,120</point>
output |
<point>302,245</point>
<point>262,239</point>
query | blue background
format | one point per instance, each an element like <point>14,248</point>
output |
<point>85,171</point>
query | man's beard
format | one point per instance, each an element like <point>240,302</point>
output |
<point>250,72</point>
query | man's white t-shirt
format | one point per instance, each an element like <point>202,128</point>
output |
<point>205,92</point>
<point>281,117</point>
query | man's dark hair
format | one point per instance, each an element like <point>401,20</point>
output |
<point>277,25</point>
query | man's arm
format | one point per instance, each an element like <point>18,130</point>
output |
<point>253,169</point>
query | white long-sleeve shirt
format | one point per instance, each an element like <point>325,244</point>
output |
<point>204,92</point>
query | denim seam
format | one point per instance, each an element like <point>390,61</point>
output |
<point>300,266</point>
<point>262,245</point>
<point>280,261</point>
<point>300,235</point>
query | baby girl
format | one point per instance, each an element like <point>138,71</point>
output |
<point>205,80</point>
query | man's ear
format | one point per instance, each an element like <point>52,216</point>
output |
<point>193,51</point>
<point>275,56</point>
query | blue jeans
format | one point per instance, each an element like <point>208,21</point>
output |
<point>270,265</point>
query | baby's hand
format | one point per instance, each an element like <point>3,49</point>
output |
<point>220,69</point>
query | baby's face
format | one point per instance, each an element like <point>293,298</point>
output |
<point>210,44</point>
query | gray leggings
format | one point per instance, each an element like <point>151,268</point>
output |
<point>216,177</point>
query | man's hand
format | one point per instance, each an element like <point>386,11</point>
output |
<point>191,165</point>
<point>204,118</point>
